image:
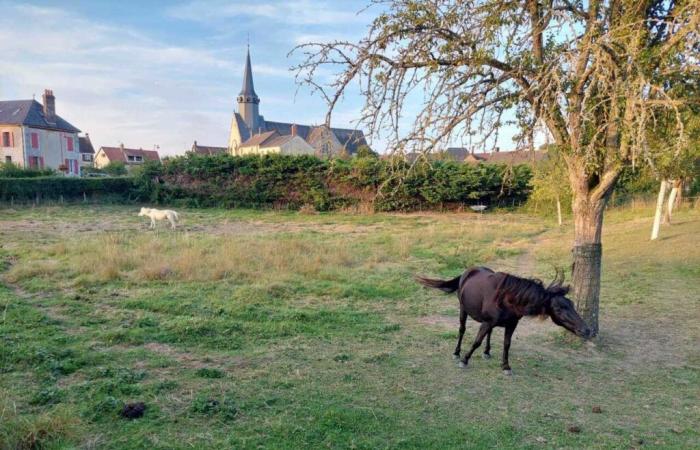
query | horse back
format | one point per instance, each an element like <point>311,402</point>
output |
<point>478,291</point>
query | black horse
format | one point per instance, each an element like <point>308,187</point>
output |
<point>498,299</point>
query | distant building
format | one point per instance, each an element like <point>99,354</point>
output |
<point>32,135</point>
<point>207,150</point>
<point>252,134</point>
<point>86,150</point>
<point>461,154</point>
<point>129,156</point>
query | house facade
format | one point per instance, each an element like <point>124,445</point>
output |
<point>32,135</point>
<point>131,157</point>
<point>87,151</point>
<point>250,130</point>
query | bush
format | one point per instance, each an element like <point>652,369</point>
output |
<point>9,170</point>
<point>68,188</point>
<point>295,181</point>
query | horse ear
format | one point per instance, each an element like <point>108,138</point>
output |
<point>558,280</point>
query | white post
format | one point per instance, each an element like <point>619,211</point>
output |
<point>558,210</point>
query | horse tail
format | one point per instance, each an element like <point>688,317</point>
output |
<point>448,286</point>
<point>177,217</point>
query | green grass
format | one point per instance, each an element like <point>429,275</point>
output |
<point>248,329</point>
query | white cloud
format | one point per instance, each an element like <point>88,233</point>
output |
<point>299,12</point>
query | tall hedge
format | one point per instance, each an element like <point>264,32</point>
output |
<point>294,181</point>
<point>67,188</point>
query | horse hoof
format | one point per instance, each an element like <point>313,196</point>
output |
<point>508,372</point>
<point>462,365</point>
<point>486,356</point>
<point>455,356</point>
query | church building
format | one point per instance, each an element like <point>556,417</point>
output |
<point>252,134</point>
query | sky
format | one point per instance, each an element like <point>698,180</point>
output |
<point>164,72</point>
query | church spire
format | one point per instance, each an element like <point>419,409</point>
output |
<point>248,100</point>
<point>248,91</point>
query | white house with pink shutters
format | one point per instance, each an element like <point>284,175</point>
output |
<point>33,135</point>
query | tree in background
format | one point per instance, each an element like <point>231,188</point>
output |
<point>115,169</point>
<point>592,72</point>
<point>549,181</point>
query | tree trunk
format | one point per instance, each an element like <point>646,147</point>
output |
<point>671,201</point>
<point>659,209</point>
<point>558,210</point>
<point>587,255</point>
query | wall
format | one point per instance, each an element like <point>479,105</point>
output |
<point>52,147</point>
<point>101,159</point>
<point>15,152</point>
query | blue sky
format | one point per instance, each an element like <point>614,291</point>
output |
<point>157,72</point>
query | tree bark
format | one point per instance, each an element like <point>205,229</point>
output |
<point>587,256</point>
<point>671,201</point>
<point>659,209</point>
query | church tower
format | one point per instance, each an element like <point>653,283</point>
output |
<point>248,100</point>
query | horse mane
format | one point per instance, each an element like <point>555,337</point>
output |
<point>527,296</point>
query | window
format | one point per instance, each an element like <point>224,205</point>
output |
<point>135,158</point>
<point>8,159</point>
<point>69,143</point>
<point>33,162</point>
<point>35,140</point>
<point>87,157</point>
<point>6,139</point>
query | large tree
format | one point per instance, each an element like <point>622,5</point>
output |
<point>591,72</point>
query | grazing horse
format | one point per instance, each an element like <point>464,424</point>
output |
<point>498,299</point>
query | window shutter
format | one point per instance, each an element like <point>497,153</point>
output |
<point>41,162</point>
<point>35,140</point>
<point>75,166</point>
<point>69,142</point>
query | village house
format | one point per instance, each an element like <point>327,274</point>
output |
<point>252,134</point>
<point>129,156</point>
<point>461,154</point>
<point>207,149</point>
<point>32,135</point>
<point>87,151</point>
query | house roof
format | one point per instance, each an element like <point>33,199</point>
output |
<point>84,144</point>
<point>121,154</point>
<point>207,149</point>
<point>31,113</point>
<point>259,139</point>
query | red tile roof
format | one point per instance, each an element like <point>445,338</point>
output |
<point>122,154</point>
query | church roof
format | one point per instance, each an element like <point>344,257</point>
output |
<point>248,89</point>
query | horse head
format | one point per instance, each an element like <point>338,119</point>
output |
<point>562,310</point>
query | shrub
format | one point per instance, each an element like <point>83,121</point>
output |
<point>295,181</point>
<point>31,189</point>
<point>9,170</point>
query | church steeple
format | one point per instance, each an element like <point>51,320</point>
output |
<point>248,100</point>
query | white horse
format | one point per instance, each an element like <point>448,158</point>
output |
<point>160,214</point>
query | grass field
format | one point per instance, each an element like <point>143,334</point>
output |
<point>248,329</point>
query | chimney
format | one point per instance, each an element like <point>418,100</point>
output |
<point>497,149</point>
<point>121,146</point>
<point>49,106</point>
<point>294,129</point>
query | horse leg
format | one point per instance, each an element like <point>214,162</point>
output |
<point>153,223</point>
<point>510,328</point>
<point>462,328</point>
<point>487,350</point>
<point>483,331</point>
